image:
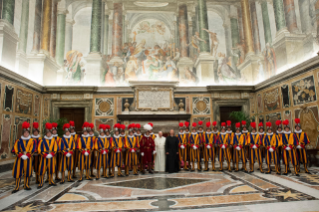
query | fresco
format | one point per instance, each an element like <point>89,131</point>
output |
<point>304,91</point>
<point>272,100</point>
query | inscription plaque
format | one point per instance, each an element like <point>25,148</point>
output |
<point>154,99</point>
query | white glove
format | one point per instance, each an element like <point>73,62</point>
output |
<point>154,152</point>
<point>117,151</point>
<point>254,147</point>
<point>182,146</point>
<point>194,147</point>
<point>288,148</point>
<point>104,152</point>
<point>133,150</point>
<point>238,148</point>
<point>86,154</point>
<point>49,156</point>
<point>208,146</point>
<point>298,147</point>
<point>224,147</point>
<point>142,154</point>
<point>24,157</point>
<point>271,150</point>
<point>68,155</point>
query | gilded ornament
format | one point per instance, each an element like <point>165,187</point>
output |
<point>104,106</point>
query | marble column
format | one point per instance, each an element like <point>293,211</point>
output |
<point>255,28</point>
<point>240,25</point>
<point>68,34</point>
<point>105,34</point>
<point>46,25</point>
<point>279,15</point>
<point>247,27</point>
<point>24,26</point>
<point>290,15</point>
<point>54,20</point>
<point>37,27</point>
<point>60,39</point>
<point>124,28</point>
<point>183,30</point>
<point>8,36</point>
<point>8,10</point>
<point>228,40</point>
<point>266,22</point>
<point>22,64</point>
<point>235,39</point>
<point>176,34</point>
<point>194,30</point>
<point>95,42</point>
<point>306,23</point>
<point>203,23</point>
<point>117,33</point>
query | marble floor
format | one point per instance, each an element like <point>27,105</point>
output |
<point>184,191</point>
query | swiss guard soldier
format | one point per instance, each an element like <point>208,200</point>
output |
<point>85,147</point>
<point>117,146</point>
<point>182,143</point>
<point>194,148</point>
<point>254,151</point>
<point>208,146</point>
<point>76,153</point>
<point>224,150</point>
<point>271,143</point>
<point>131,145</point>
<point>59,153</point>
<point>36,158</point>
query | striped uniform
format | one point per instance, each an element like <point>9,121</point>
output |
<point>23,146</point>
<point>93,153</point>
<point>271,140</point>
<point>302,140</point>
<point>201,137</point>
<point>243,142</point>
<point>237,155</point>
<point>225,139</point>
<point>287,140</point>
<point>255,153</point>
<point>76,152</point>
<point>85,143</point>
<point>117,157</point>
<point>58,154</point>
<point>48,145</point>
<point>131,144</point>
<point>36,157</point>
<point>182,140</point>
<point>140,160</point>
<point>209,153</point>
<point>194,153</point>
<point>102,160</point>
<point>67,145</point>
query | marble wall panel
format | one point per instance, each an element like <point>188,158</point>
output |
<point>272,100</point>
<point>8,98</point>
<point>104,107</point>
<point>23,102</point>
<point>37,105</point>
<point>5,137</point>
<point>285,96</point>
<point>304,90</point>
<point>46,106</point>
<point>259,103</point>
<point>201,105</point>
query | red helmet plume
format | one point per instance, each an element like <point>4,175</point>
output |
<point>286,122</point>
<point>214,123</point>
<point>268,124</point>
<point>66,127</point>
<point>237,125</point>
<point>26,125</point>
<point>228,123</point>
<point>35,125</point>
<point>138,126</point>
<point>101,126</point>
<point>151,124</point>
<point>261,125</point>
<point>72,124</point>
<point>278,122</point>
<point>243,123</point>
<point>181,125</point>
<point>123,126</point>
<point>223,125</point>
<point>91,126</point>
<point>194,125</point>
<point>107,127</point>
<point>85,125</point>
<point>253,125</point>
<point>207,124</point>
<point>200,123</point>
<point>186,124</point>
<point>297,122</point>
<point>48,126</point>
<point>54,125</point>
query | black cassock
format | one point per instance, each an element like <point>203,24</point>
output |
<point>172,159</point>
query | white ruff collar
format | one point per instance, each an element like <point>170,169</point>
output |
<point>146,135</point>
<point>35,136</point>
<point>209,132</point>
<point>270,133</point>
<point>238,133</point>
<point>122,135</point>
<point>229,131</point>
<point>117,136</point>
<point>200,131</point>
<point>259,133</point>
<point>194,133</point>
<point>66,136</point>
<point>244,131</point>
<point>55,135</point>
<point>279,132</point>
<point>287,132</point>
<point>186,132</point>
<point>137,134</point>
<point>48,138</point>
<point>181,133</point>
<point>25,138</point>
<point>151,133</point>
<point>85,136</point>
<point>223,133</point>
<point>91,135</point>
<point>215,132</point>
<point>102,136</point>
<point>298,131</point>
<point>255,133</point>
<point>107,136</point>
<point>72,133</point>
<point>131,136</point>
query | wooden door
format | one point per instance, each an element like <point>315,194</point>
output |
<point>225,111</point>
<point>74,114</point>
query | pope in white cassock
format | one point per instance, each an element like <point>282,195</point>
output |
<point>160,153</point>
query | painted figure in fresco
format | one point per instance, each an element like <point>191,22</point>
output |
<point>270,60</point>
<point>188,77</point>
<point>214,42</point>
<point>117,72</point>
<point>241,52</point>
<point>131,69</point>
<point>177,55</point>
<point>75,67</point>
<point>169,69</point>
<point>225,72</point>
<point>195,41</point>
